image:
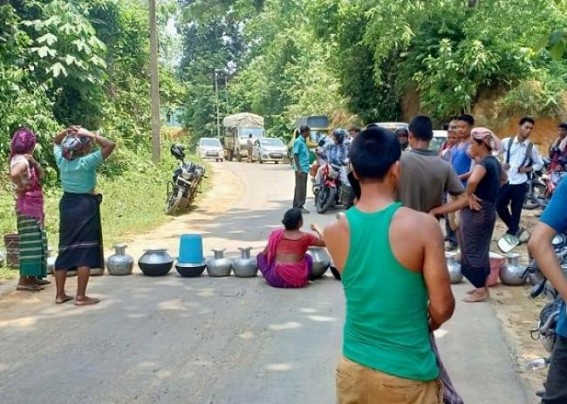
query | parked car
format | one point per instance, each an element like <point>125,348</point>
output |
<point>391,126</point>
<point>269,149</point>
<point>439,137</point>
<point>210,148</point>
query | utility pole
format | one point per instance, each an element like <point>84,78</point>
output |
<point>154,83</point>
<point>217,103</point>
<point>226,91</point>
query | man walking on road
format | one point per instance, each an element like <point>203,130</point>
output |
<point>396,284</point>
<point>553,221</point>
<point>250,147</point>
<point>301,167</point>
<point>520,159</point>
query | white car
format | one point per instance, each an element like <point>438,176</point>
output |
<point>210,148</point>
<point>269,149</point>
<point>439,137</point>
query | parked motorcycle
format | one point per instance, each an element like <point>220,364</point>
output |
<point>182,188</point>
<point>545,330</point>
<point>331,191</point>
<point>535,191</point>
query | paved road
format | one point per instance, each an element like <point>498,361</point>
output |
<point>206,340</point>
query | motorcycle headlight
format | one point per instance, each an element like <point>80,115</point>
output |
<point>186,174</point>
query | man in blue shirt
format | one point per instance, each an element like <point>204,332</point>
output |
<point>301,167</point>
<point>553,221</point>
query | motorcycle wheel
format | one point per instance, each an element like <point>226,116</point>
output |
<point>325,199</point>
<point>172,201</point>
<point>533,201</point>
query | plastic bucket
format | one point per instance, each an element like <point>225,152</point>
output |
<point>191,249</point>
<point>12,243</point>
<point>496,262</point>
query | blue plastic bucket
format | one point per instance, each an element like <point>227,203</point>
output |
<point>191,249</point>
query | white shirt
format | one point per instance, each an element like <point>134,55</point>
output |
<point>517,156</point>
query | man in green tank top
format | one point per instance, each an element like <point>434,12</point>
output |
<point>396,284</point>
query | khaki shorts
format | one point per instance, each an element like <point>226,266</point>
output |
<point>357,384</point>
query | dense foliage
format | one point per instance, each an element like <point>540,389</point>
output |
<point>78,62</point>
<point>87,62</point>
<point>372,59</point>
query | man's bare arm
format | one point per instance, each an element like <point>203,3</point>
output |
<point>436,274</point>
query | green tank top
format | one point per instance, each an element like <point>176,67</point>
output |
<point>386,304</point>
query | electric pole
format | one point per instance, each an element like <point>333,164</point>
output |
<point>217,103</point>
<point>154,83</point>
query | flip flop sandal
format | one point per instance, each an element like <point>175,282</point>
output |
<point>42,282</point>
<point>29,288</point>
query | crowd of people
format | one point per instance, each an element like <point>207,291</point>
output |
<point>78,153</point>
<point>392,274</point>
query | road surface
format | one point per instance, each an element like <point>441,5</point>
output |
<point>217,340</point>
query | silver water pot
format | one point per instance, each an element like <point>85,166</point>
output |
<point>120,263</point>
<point>454,267</point>
<point>511,273</point>
<point>245,266</point>
<point>321,261</point>
<point>219,266</point>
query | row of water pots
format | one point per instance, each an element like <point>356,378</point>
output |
<point>158,262</point>
<point>508,269</point>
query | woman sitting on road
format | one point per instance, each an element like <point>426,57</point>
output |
<point>478,212</point>
<point>80,231</point>
<point>25,173</point>
<point>285,262</point>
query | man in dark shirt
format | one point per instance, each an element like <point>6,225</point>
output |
<point>425,175</point>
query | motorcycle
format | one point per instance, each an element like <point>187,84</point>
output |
<point>535,191</point>
<point>182,189</point>
<point>549,314</point>
<point>331,191</point>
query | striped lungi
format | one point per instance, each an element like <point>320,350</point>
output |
<point>32,246</point>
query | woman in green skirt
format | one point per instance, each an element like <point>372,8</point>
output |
<point>25,173</point>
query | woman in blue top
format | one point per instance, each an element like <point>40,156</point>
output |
<point>80,232</point>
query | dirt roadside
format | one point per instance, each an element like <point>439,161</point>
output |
<point>517,312</point>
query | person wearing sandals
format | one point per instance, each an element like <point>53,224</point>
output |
<point>25,173</point>
<point>80,231</point>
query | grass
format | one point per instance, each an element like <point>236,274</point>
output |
<point>132,204</point>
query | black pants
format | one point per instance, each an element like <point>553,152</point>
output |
<point>300,189</point>
<point>512,195</point>
<point>556,384</point>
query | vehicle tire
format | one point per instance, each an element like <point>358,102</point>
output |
<point>276,162</point>
<point>325,199</point>
<point>534,200</point>
<point>172,201</point>
<point>260,160</point>
<point>238,156</point>
<point>229,155</point>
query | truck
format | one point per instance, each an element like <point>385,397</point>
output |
<point>319,126</point>
<point>237,129</point>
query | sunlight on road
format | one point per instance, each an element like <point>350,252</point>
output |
<point>285,326</point>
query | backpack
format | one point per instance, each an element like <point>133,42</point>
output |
<point>527,156</point>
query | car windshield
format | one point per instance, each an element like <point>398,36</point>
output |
<point>210,142</point>
<point>272,142</point>
<point>255,132</point>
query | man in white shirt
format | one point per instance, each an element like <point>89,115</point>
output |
<point>520,159</point>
